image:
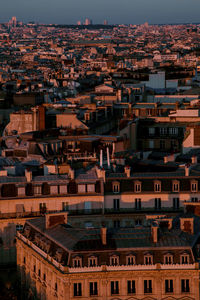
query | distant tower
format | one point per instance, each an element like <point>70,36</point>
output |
<point>88,21</point>
<point>105,22</point>
<point>13,21</point>
<point>79,23</point>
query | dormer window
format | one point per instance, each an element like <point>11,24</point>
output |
<point>92,261</point>
<point>194,186</point>
<point>148,259</point>
<point>137,187</point>
<point>175,186</point>
<point>168,259</point>
<point>114,260</point>
<point>77,262</point>
<point>116,187</point>
<point>185,258</point>
<point>157,186</point>
<point>130,260</point>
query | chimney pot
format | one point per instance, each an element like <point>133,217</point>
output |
<point>104,235</point>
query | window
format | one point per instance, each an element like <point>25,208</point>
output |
<point>148,259</point>
<point>137,186</point>
<point>157,186</point>
<point>193,186</point>
<point>44,277</point>
<point>130,260</point>
<point>168,286</point>
<point>184,259</point>
<point>173,131</point>
<point>116,204</point>
<point>131,286</point>
<point>168,259</point>
<point>194,199</point>
<point>163,130</point>
<point>114,287</point>
<point>77,289</point>
<point>81,188</point>
<point>185,286</point>
<point>175,186</point>
<point>176,203</point>
<point>151,130</point>
<point>65,206</point>
<point>90,188</point>
<point>162,144</point>
<point>116,223</point>
<point>92,261</point>
<point>114,260</point>
<point>24,260</point>
<point>34,268</point>
<point>138,222</point>
<point>157,203</point>
<point>116,187</point>
<point>39,272</point>
<point>137,203</point>
<point>77,262</point>
<point>56,287</point>
<point>19,227</point>
<point>173,144</point>
<point>93,289</point>
<point>147,286</point>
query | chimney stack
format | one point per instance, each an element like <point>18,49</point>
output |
<point>108,158</point>
<point>127,171</point>
<point>28,175</point>
<point>55,219</point>
<point>187,170</point>
<point>154,232</point>
<point>194,159</point>
<point>71,173</point>
<point>101,158</point>
<point>104,235</point>
<point>187,225</point>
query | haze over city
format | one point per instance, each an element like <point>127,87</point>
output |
<point>115,11</point>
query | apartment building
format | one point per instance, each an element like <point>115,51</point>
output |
<point>158,261</point>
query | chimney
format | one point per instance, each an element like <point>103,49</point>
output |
<point>108,158</point>
<point>127,171</point>
<point>154,232</point>
<point>187,170</point>
<point>101,158</point>
<point>187,225</point>
<point>71,173</point>
<point>28,175</point>
<point>114,167</point>
<point>101,173</point>
<point>194,159</point>
<point>104,235</point>
<point>55,219</point>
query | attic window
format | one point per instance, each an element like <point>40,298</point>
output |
<point>137,186</point>
<point>92,261</point>
<point>184,258</point>
<point>175,186</point>
<point>130,260</point>
<point>114,260</point>
<point>148,259</point>
<point>116,187</point>
<point>77,262</point>
<point>194,186</point>
<point>168,259</point>
<point>157,186</point>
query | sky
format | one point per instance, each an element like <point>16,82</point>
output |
<point>115,11</point>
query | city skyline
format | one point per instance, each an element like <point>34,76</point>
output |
<point>131,12</point>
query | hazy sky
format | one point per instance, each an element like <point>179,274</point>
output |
<point>115,11</point>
